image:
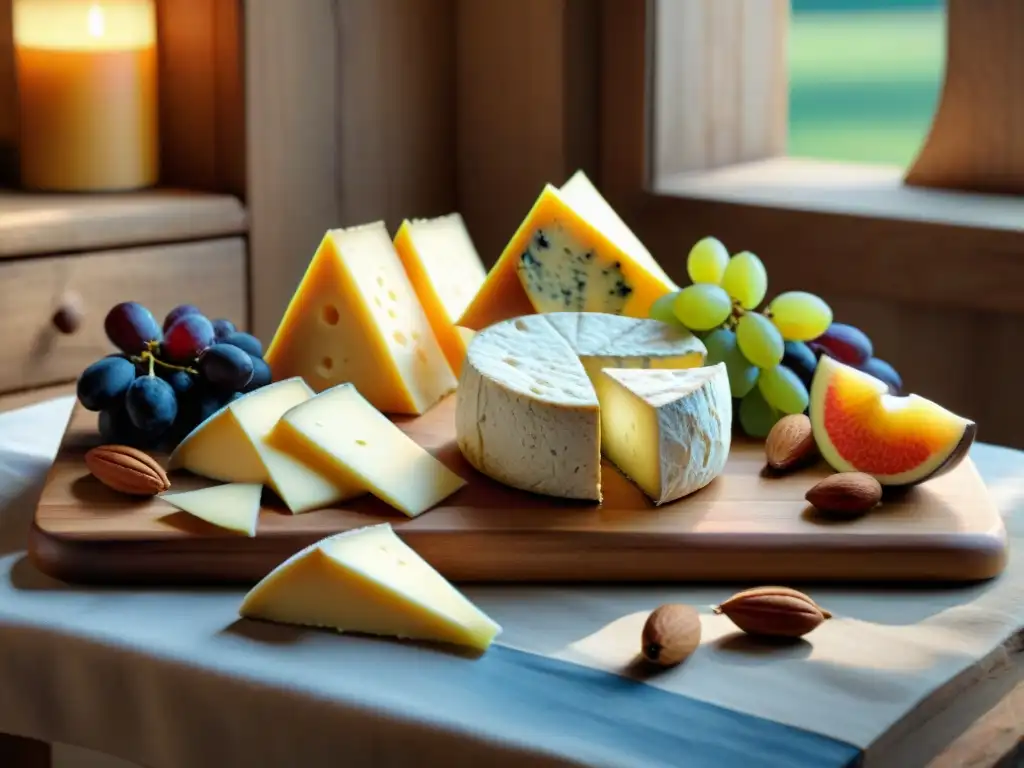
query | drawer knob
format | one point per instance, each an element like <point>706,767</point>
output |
<point>68,317</point>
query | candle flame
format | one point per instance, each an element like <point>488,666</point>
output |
<point>95,21</point>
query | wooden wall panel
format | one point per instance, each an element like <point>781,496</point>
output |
<point>527,107</point>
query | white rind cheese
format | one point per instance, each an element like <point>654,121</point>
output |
<point>668,431</point>
<point>527,414</point>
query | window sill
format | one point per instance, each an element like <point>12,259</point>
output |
<point>820,186</point>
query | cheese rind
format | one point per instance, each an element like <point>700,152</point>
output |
<point>569,254</point>
<point>356,318</point>
<point>446,272</point>
<point>342,436</point>
<point>667,430</point>
<point>234,506</point>
<point>369,581</point>
<point>526,414</point>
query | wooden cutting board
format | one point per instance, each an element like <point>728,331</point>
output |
<point>746,526</point>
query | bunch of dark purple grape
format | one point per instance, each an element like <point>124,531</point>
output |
<point>167,380</point>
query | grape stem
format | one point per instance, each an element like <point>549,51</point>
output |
<point>148,357</point>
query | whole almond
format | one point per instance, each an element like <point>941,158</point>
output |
<point>790,442</point>
<point>773,612</point>
<point>846,494</point>
<point>672,633</point>
<point>127,470</point>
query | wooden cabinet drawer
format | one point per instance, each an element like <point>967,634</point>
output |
<point>210,274</point>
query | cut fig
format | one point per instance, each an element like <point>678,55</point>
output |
<point>859,427</point>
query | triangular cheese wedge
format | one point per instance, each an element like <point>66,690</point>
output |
<point>369,581</point>
<point>569,254</point>
<point>235,506</point>
<point>356,318</point>
<point>342,436</point>
<point>669,431</point>
<point>231,446</point>
<point>446,272</point>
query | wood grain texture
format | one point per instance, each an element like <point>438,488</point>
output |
<point>209,274</point>
<point>974,142</point>
<point>527,107</point>
<point>27,397</point>
<point>33,224</point>
<point>744,527</point>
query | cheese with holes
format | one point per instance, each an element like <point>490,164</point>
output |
<point>571,253</point>
<point>445,271</point>
<point>343,437</point>
<point>369,581</point>
<point>232,446</point>
<point>234,507</point>
<point>669,431</point>
<point>527,413</point>
<point>356,318</point>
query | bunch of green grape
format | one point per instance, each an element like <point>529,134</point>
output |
<point>765,352</point>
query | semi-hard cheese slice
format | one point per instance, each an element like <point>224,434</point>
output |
<point>669,431</point>
<point>446,272</point>
<point>569,254</point>
<point>342,436</point>
<point>234,507</point>
<point>369,581</point>
<point>356,318</point>
<point>526,413</point>
<point>231,446</point>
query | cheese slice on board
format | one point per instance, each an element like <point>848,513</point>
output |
<point>356,318</point>
<point>369,581</point>
<point>342,436</point>
<point>446,272</point>
<point>526,413</point>
<point>569,255</point>
<point>669,431</point>
<point>234,507</point>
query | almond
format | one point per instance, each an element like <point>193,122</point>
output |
<point>127,470</point>
<point>672,633</point>
<point>773,612</point>
<point>790,442</point>
<point>846,493</point>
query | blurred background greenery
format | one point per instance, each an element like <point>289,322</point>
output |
<point>864,77</point>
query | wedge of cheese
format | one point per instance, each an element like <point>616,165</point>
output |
<point>571,253</point>
<point>234,507</point>
<point>446,272</point>
<point>369,581</point>
<point>669,431</point>
<point>527,413</point>
<point>342,436</point>
<point>232,446</point>
<point>356,318</point>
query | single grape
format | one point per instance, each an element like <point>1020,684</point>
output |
<point>244,341</point>
<point>223,328</point>
<point>757,417</point>
<point>179,312</point>
<point>152,405</point>
<point>884,372</point>
<point>116,427</point>
<point>661,309</point>
<point>130,326</point>
<point>707,261</point>
<point>701,307</point>
<point>846,344</point>
<point>759,340</point>
<point>800,359</point>
<point>104,382</point>
<point>745,279</point>
<point>800,316</point>
<point>226,366</point>
<point>783,390</point>
<point>722,348</point>
<point>181,382</point>
<point>261,375</point>
<point>187,338</point>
